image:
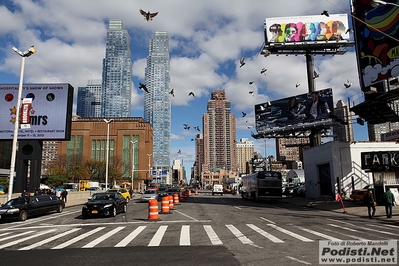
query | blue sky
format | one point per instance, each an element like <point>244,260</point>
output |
<point>207,39</point>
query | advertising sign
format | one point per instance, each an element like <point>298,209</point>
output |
<point>307,28</point>
<point>50,111</point>
<point>293,110</point>
<point>377,47</point>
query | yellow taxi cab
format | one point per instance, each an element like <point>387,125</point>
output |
<point>358,194</point>
<point>125,193</point>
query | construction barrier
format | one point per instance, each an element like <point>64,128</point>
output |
<point>171,206</point>
<point>184,195</point>
<point>176,199</point>
<point>153,210</point>
<point>165,205</point>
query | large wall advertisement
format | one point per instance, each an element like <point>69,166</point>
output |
<point>294,110</point>
<point>307,28</point>
<point>50,111</point>
<point>377,35</point>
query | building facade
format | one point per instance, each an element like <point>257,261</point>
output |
<point>89,99</point>
<point>343,131</point>
<point>117,72</point>
<point>245,152</point>
<point>199,158</point>
<point>219,126</point>
<point>130,140</point>
<point>157,102</point>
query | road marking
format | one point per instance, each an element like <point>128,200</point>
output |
<point>25,238</point>
<point>213,237</point>
<point>245,240</point>
<point>346,235</point>
<point>47,240</point>
<point>265,234</point>
<point>379,231</point>
<point>290,233</point>
<point>237,207</point>
<point>300,261</point>
<point>17,235</point>
<point>185,235</point>
<point>346,228</point>
<point>4,234</point>
<point>157,238</point>
<point>78,238</point>
<point>267,220</point>
<point>187,216</point>
<point>319,234</point>
<point>379,225</point>
<point>103,237</point>
<point>131,236</point>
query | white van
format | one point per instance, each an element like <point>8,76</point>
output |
<point>217,189</point>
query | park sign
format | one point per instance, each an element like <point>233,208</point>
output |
<point>380,160</point>
<point>50,111</point>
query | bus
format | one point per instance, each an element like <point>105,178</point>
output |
<point>262,185</point>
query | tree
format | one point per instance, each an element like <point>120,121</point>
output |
<point>56,180</point>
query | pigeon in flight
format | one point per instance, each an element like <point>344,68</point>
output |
<point>262,108</point>
<point>244,114</point>
<point>172,92</point>
<point>249,127</point>
<point>325,13</point>
<point>179,151</point>
<point>297,85</point>
<point>315,74</point>
<point>191,94</point>
<point>349,30</point>
<point>252,93</point>
<point>143,87</point>
<point>148,15</point>
<point>251,82</point>
<point>197,128</point>
<point>187,127</point>
<point>242,61</point>
<point>192,139</point>
<point>263,71</point>
<point>347,84</point>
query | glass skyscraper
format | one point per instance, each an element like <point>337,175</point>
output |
<point>117,72</point>
<point>157,103</point>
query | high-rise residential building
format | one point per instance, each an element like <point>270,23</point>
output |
<point>219,126</point>
<point>245,152</point>
<point>89,99</point>
<point>117,72</point>
<point>199,157</point>
<point>343,131</point>
<point>375,130</point>
<point>289,150</point>
<point>157,102</point>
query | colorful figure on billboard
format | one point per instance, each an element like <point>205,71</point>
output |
<point>276,31</point>
<point>290,32</point>
<point>324,32</point>
<point>311,30</point>
<point>337,29</point>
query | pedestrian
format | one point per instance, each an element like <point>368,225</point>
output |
<point>64,194</point>
<point>25,194</point>
<point>370,203</point>
<point>389,200</point>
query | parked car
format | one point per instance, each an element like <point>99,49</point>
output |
<point>149,195</point>
<point>125,193</point>
<point>104,204</point>
<point>23,207</point>
<point>358,194</point>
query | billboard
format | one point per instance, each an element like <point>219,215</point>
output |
<point>295,110</point>
<point>377,47</point>
<point>307,28</point>
<point>49,112</point>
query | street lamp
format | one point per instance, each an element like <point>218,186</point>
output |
<point>149,165</point>
<point>25,54</point>
<point>133,142</point>
<point>107,155</point>
<point>377,3</point>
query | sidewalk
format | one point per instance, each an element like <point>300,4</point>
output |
<point>355,208</point>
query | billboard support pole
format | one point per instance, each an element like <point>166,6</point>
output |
<point>315,136</point>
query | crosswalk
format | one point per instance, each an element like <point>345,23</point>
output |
<point>154,235</point>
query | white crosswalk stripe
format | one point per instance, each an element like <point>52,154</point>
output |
<point>185,235</point>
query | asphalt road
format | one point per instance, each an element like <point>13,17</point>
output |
<point>205,230</point>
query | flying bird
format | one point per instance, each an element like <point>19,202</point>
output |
<point>251,82</point>
<point>244,114</point>
<point>179,151</point>
<point>242,61</point>
<point>263,71</point>
<point>192,139</point>
<point>315,74</point>
<point>347,84</point>
<point>249,127</point>
<point>262,108</point>
<point>191,94</point>
<point>187,127</point>
<point>197,128</point>
<point>348,31</point>
<point>172,92</point>
<point>148,15</point>
<point>297,85</point>
<point>325,13</point>
<point>252,93</point>
<point>143,87</point>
